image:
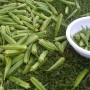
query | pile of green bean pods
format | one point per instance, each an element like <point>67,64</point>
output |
<point>82,38</point>
<point>24,40</point>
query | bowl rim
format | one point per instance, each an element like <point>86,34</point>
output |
<point>68,36</point>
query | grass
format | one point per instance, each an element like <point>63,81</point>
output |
<point>63,78</point>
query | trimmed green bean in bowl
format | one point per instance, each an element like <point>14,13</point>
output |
<point>78,33</point>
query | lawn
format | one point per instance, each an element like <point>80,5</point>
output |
<point>63,78</point>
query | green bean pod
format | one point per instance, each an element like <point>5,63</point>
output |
<point>12,52</point>
<point>77,4</point>
<point>58,24</point>
<point>31,27</point>
<point>45,23</point>
<point>31,39</point>
<point>80,77</point>
<point>60,38</point>
<point>14,47</point>
<point>8,30</point>
<point>20,12</point>
<point>68,2</point>
<point>20,27</point>
<point>27,54</point>
<point>8,66</point>
<point>51,8</point>
<point>84,38</point>
<point>45,10</point>
<point>25,18</point>
<point>19,82</point>
<point>15,18</point>
<point>64,44</point>
<point>57,64</point>
<point>37,83</point>
<point>22,40</point>
<point>67,10</point>
<point>81,43</point>
<point>40,14</point>
<point>17,58</point>
<point>47,45</point>
<point>72,14</point>
<point>9,39</point>
<point>14,67</point>
<point>43,56</point>
<point>35,20</point>
<point>29,65</point>
<point>38,65</point>
<point>60,47</point>
<point>34,49</point>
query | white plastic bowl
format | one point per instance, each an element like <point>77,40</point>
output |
<point>75,27</point>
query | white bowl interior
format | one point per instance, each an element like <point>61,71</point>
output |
<point>75,27</point>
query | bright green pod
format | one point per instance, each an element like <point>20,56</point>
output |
<point>37,83</point>
<point>31,39</point>
<point>81,43</point>
<point>8,23</point>
<point>27,54</point>
<point>22,40</point>
<point>21,6</point>
<point>40,14</point>
<point>37,65</point>
<point>45,23</point>
<point>15,18</point>
<point>60,47</point>
<point>20,27</point>
<point>3,30</point>
<point>47,45</point>
<point>43,56</point>
<point>68,2</point>
<point>28,65</point>
<point>44,10</point>
<point>80,77</point>
<point>19,82</point>
<point>30,4</point>
<point>57,64</point>
<point>12,52</point>
<point>34,49</point>
<point>58,24</point>
<point>84,38</point>
<point>77,4</point>
<point>17,58</point>
<point>14,47</point>
<point>72,14</point>
<point>60,38</point>
<point>18,36</point>
<point>31,27</point>
<point>8,66</point>
<point>35,21</point>
<point>25,18</point>
<point>67,10</point>
<point>64,44</point>
<point>8,30</point>
<point>14,67</point>
<point>51,8</point>
<point>20,12</point>
<point>9,39</point>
